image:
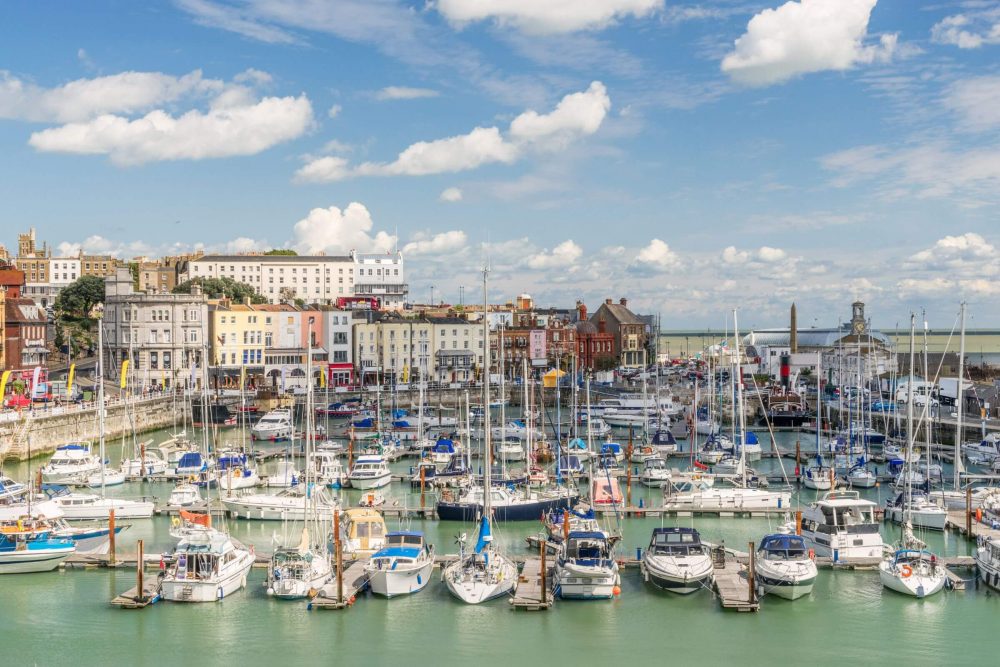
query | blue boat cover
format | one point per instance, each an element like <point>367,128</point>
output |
<point>779,542</point>
<point>485,535</point>
<point>367,422</point>
<point>587,535</point>
<point>190,460</point>
<point>398,552</point>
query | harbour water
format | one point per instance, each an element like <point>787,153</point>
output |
<point>65,615</point>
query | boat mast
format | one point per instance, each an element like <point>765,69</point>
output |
<point>927,406</point>
<point>487,482</point>
<point>100,386</point>
<point>819,409</point>
<point>739,399</point>
<point>910,430</point>
<point>961,401</point>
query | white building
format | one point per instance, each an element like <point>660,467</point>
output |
<point>443,349</point>
<point>64,270</point>
<point>165,335</point>
<point>381,276</point>
<point>314,279</point>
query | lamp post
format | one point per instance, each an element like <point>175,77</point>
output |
<point>432,295</point>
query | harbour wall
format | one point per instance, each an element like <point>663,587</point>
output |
<point>38,432</point>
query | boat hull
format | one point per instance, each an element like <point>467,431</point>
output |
<point>586,583</point>
<point>681,580</point>
<point>188,590</point>
<point>371,482</point>
<point>399,581</point>
<point>33,560</point>
<point>530,511</point>
<point>917,586</point>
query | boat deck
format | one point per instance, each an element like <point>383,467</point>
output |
<point>131,599</point>
<point>956,521</point>
<point>355,582</point>
<point>531,594</point>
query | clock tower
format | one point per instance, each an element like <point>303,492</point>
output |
<point>858,324</point>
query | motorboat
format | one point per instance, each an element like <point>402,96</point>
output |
<point>107,477</point>
<point>655,472</point>
<point>515,428</point>
<point>913,572</point>
<point>274,426</point>
<point>586,568</point>
<point>507,505</point>
<point>664,441</point>
<point>295,572</point>
<point>207,566</point>
<point>26,548</point>
<point>614,449</point>
<point>510,450</point>
<point>920,511</point>
<point>288,504</point>
<point>327,470</point>
<point>986,450</point>
<point>363,531</point>
<point>598,428</point>
<point>842,526</point>
<point>370,472</point>
<point>185,495</point>
<point>783,566</point>
<point>988,561</point>
<point>92,506</point>
<point>71,464</point>
<point>146,465</point>
<point>677,561</point>
<point>402,566</point>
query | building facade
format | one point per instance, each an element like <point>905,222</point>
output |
<point>164,335</point>
<point>24,333</point>
<point>381,276</point>
<point>627,330</point>
<point>282,278</point>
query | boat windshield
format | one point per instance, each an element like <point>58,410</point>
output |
<point>676,544</point>
<point>404,540</point>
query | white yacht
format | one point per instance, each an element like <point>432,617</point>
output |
<point>988,561</point>
<point>586,569</point>
<point>208,565</point>
<point>275,425</point>
<point>510,451</point>
<point>289,504</point>
<point>655,472</point>
<point>402,567</point>
<point>84,506</point>
<point>986,450</point>
<point>150,463</point>
<point>818,477</point>
<point>783,566</point>
<point>677,561</point>
<point>912,572</point>
<point>685,495</point>
<point>284,474</point>
<point>184,495</point>
<point>921,513</point>
<point>71,464</point>
<point>370,472</point>
<point>296,571</point>
<point>842,525</point>
<point>327,469</point>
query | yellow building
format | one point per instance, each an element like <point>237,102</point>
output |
<point>97,265</point>
<point>239,333</point>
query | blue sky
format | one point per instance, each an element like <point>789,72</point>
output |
<point>693,156</point>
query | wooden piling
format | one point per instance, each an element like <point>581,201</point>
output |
<point>139,564</point>
<point>423,478</point>
<point>338,548</point>
<point>111,535</point>
<point>968,510</point>
<point>565,526</point>
<point>545,590</point>
<point>752,574</point>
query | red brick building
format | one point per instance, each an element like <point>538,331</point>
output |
<point>24,333</point>
<point>593,342</point>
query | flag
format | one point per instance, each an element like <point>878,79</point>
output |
<point>243,377</point>
<point>3,383</point>
<point>124,378</point>
<point>69,381</point>
<point>197,518</point>
<point>34,380</point>
<point>322,378</point>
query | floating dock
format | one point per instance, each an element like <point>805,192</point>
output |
<point>132,599</point>
<point>732,583</point>
<point>355,582</point>
<point>532,592</point>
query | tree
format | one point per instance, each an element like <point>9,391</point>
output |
<point>78,298</point>
<point>605,362</point>
<point>222,287</point>
<point>281,251</point>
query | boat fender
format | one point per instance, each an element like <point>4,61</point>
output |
<point>175,522</point>
<point>812,554</point>
<point>907,571</point>
<point>219,593</point>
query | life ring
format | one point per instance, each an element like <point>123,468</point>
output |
<point>906,571</point>
<point>175,521</point>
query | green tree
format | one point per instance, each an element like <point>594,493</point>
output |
<point>281,251</point>
<point>222,287</point>
<point>76,299</point>
<point>605,362</point>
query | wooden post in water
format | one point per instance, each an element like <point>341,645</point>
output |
<point>628,472</point>
<point>798,459</point>
<point>798,522</point>
<point>544,587</point>
<point>111,535</point>
<point>350,451</point>
<point>138,570</point>
<point>423,477</point>
<point>752,575</point>
<point>968,512</point>
<point>565,526</point>
<point>339,554</point>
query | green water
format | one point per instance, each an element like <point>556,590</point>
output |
<point>64,616</point>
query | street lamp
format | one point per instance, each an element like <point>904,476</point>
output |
<point>432,295</point>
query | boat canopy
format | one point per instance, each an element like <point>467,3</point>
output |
<point>587,535</point>
<point>792,545</point>
<point>444,446</point>
<point>367,422</point>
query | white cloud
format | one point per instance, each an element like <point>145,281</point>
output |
<point>83,99</point>
<point>445,243</point>
<point>235,19</point>
<point>763,255</point>
<point>451,195</point>
<point>576,115</point>
<point>334,111</point>
<point>768,254</point>
<point>977,101</point>
<point>336,232</point>
<point>222,131</point>
<point>805,36</point>
<point>657,255</point>
<point>564,255</point>
<point>404,93</point>
<point>546,16</point>
<point>968,253</point>
<point>968,31</point>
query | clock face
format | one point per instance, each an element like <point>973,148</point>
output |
<point>859,327</point>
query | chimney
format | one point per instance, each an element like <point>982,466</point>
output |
<point>793,332</point>
<point>601,326</point>
<point>623,301</point>
<point>608,302</point>
<point>581,309</point>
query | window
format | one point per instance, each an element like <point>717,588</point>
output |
<point>152,335</point>
<point>153,360</point>
<point>166,335</point>
<point>166,361</point>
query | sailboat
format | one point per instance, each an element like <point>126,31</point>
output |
<point>485,572</point>
<point>819,476</point>
<point>911,569</point>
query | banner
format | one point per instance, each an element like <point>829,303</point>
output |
<point>124,378</point>
<point>322,378</point>
<point>34,380</point>
<point>406,373</point>
<point>243,377</point>
<point>69,381</point>
<point>3,383</point>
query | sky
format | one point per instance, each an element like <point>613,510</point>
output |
<point>695,157</point>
